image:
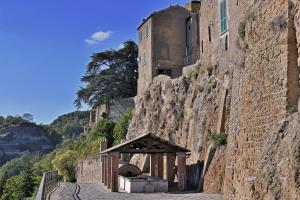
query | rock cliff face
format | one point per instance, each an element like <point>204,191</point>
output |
<point>249,91</point>
<point>183,111</point>
<point>19,138</point>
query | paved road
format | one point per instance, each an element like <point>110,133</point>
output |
<point>91,191</point>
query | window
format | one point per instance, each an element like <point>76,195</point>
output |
<point>167,72</point>
<point>223,15</point>
<point>202,48</point>
<point>209,34</point>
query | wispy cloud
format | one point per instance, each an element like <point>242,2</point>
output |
<point>121,46</point>
<point>98,37</point>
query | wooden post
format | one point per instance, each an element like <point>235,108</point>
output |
<point>108,171</point>
<point>102,168</point>
<point>169,164</point>
<point>160,165</point>
<point>153,163</point>
<point>105,170</point>
<point>181,158</point>
<point>114,171</point>
<point>103,146</point>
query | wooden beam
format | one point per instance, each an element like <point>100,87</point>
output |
<point>169,165</point>
<point>153,164</point>
<point>114,171</point>
<point>105,170</point>
<point>102,168</point>
<point>147,151</point>
<point>160,165</point>
<point>109,171</point>
<point>181,158</point>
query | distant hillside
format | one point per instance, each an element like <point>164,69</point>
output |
<point>16,139</point>
<point>70,125</point>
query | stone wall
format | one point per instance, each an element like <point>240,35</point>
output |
<point>247,87</point>
<point>114,110</point>
<point>88,170</point>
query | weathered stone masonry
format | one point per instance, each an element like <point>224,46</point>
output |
<point>258,112</point>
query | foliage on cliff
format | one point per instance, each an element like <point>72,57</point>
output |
<point>110,75</point>
<point>70,125</point>
<point>121,127</point>
<point>88,145</point>
<point>13,120</point>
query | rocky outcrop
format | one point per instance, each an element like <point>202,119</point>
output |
<point>19,138</point>
<point>184,111</point>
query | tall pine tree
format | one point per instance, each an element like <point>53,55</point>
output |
<point>27,177</point>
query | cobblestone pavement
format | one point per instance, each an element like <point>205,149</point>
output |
<point>66,191</point>
<point>91,191</point>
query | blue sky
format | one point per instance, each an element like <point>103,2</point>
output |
<point>45,46</point>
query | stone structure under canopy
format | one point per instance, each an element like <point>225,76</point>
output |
<point>157,148</point>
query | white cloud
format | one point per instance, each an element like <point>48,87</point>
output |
<point>121,46</point>
<point>98,37</point>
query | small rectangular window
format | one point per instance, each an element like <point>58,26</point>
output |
<point>223,16</point>
<point>202,48</point>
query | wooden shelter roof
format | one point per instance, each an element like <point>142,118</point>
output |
<point>147,143</point>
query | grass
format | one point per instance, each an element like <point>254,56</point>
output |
<point>217,139</point>
<point>242,30</point>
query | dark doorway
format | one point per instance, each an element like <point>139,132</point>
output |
<point>167,72</point>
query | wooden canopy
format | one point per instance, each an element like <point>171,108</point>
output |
<point>144,144</point>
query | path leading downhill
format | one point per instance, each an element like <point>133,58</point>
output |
<point>94,191</point>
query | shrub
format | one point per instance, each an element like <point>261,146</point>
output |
<point>192,73</point>
<point>121,127</point>
<point>12,188</point>
<point>242,30</point>
<point>104,128</point>
<point>217,138</point>
<point>64,163</point>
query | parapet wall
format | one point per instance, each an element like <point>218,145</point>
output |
<point>88,170</point>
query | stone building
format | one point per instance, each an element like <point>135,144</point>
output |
<point>114,110</point>
<point>168,40</point>
<point>247,86</point>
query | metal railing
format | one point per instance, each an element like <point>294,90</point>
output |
<point>49,181</point>
<point>192,57</point>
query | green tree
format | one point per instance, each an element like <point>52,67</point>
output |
<point>44,164</point>
<point>28,179</point>
<point>110,75</point>
<point>70,125</point>
<point>104,128</point>
<point>64,163</point>
<point>13,189</point>
<point>12,168</point>
<point>121,127</point>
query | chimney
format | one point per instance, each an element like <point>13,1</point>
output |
<point>103,144</point>
<point>193,6</point>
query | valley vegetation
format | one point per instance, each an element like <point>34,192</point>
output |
<point>110,75</point>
